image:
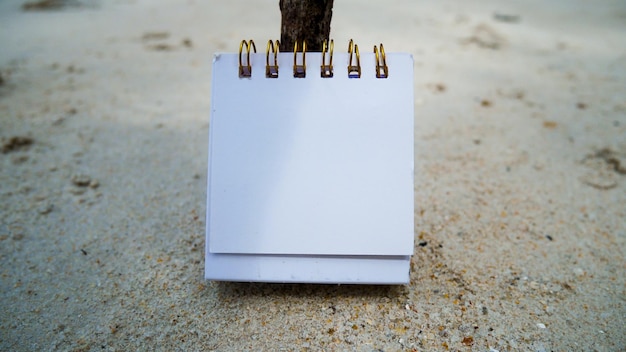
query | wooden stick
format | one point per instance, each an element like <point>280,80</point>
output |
<point>305,20</point>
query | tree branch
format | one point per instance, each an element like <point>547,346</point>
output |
<point>305,20</point>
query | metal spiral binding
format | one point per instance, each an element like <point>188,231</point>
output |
<point>354,71</point>
<point>382,71</point>
<point>327,70</point>
<point>271,71</point>
<point>246,71</point>
<point>299,71</point>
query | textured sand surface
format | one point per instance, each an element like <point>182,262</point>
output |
<point>520,181</point>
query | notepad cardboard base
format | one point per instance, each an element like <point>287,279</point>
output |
<point>391,270</point>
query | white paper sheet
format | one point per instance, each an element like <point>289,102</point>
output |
<point>315,168</point>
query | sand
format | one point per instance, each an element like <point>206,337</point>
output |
<point>520,190</point>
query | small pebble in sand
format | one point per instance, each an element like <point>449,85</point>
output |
<point>507,18</point>
<point>579,272</point>
<point>45,208</point>
<point>485,37</point>
<point>550,124</point>
<point>468,341</point>
<point>81,180</point>
<point>43,5</point>
<point>16,143</point>
<point>541,326</point>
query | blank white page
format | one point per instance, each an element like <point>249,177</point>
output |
<point>311,166</point>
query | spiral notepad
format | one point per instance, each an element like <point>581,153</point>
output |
<point>310,166</point>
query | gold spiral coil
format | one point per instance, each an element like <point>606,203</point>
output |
<point>327,70</point>
<point>354,71</point>
<point>271,71</point>
<point>245,71</point>
<point>382,71</point>
<point>299,71</point>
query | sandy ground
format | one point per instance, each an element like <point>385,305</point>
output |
<point>520,181</point>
